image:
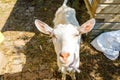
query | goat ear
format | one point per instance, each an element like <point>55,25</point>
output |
<point>87,26</point>
<point>43,27</point>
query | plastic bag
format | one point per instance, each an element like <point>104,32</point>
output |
<point>108,43</point>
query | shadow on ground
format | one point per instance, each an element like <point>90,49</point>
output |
<point>40,57</point>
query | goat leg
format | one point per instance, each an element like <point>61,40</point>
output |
<point>63,76</point>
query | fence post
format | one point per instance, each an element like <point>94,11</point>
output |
<point>89,7</point>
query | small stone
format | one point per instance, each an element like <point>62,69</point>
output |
<point>31,9</point>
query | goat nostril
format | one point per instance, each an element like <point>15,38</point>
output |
<point>64,55</point>
<point>61,55</point>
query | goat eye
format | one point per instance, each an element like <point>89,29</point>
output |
<point>76,35</point>
<point>53,36</point>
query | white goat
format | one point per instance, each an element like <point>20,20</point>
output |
<point>66,36</point>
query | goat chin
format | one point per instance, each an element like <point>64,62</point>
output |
<point>68,68</point>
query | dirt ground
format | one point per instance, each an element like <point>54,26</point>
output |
<point>39,50</point>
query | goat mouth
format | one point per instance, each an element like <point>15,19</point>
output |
<point>74,60</point>
<point>70,64</point>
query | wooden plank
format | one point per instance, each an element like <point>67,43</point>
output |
<point>110,1</point>
<point>103,27</point>
<point>108,9</point>
<point>95,33</point>
<point>107,26</point>
<point>108,17</point>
